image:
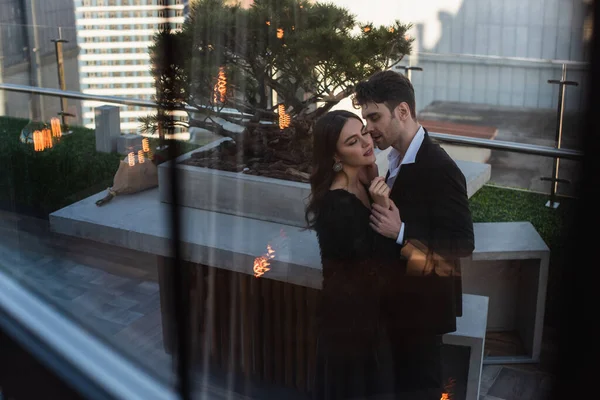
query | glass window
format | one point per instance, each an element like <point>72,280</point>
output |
<point>473,83</point>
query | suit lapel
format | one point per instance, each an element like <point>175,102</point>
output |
<point>407,171</point>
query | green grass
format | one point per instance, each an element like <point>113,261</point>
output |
<point>496,204</point>
<point>38,183</point>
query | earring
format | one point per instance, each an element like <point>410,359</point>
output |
<point>337,167</point>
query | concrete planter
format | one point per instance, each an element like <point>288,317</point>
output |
<point>233,193</point>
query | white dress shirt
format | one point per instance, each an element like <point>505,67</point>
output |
<point>396,161</point>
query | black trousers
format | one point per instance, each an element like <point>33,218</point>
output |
<point>417,366</point>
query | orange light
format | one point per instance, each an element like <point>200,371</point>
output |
<point>131,159</point>
<point>56,131</point>
<point>145,145</point>
<point>391,30</point>
<point>261,264</point>
<point>141,156</point>
<point>445,396</point>
<point>38,141</point>
<point>284,118</point>
<point>367,29</point>
<point>279,33</point>
<point>47,132</point>
<point>268,23</point>
<point>220,88</point>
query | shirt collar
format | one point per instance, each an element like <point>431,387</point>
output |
<point>411,152</point>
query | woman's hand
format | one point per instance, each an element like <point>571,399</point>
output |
<point>368,173</point>
<point>380,192</point>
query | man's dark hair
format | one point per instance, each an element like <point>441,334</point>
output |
<point>388,87</point>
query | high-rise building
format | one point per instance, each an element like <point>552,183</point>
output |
<point>28,56</point>
<point>114,37</point>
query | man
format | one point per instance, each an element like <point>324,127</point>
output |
<point>429,204</point>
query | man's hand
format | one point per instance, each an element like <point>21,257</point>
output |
<point>386,222</point>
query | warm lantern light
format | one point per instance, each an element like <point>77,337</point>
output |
<point>284,118</point>
<point>268,23</point>
<point>261,264</point>
<point>131,159</point>
<point>42,139</point>
<point>367,29</point>
<point>279,33</point>
<point>38,141</point>
<point>47,132</point>
<point>220,88</point>
<point>391,29</point>
<point>56,130</point>
<point>145,145</point>
<point>141,156</point>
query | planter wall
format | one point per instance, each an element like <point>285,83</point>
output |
<point>233,193</point>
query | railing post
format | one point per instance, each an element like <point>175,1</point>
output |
<point>563,82</point>
<point>408,70</point>
<point>58,49</point>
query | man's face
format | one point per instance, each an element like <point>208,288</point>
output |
<point>381,124</point>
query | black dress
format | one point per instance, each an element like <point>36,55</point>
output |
<point>352,347</point>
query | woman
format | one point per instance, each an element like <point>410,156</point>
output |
<point>344,184</point>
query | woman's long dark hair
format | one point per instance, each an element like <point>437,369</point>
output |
<point>326,133</point>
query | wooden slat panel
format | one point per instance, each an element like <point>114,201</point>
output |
<point>224,279</point>
<point>234,323</point>
<point>279,332</point>
<point>244,283</point>
<point>288,321</point>
<point>311,340</point>
<point>268,330</point>
<point>300,300</point>
<point>255,293</point>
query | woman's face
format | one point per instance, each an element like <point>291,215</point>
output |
<point>354,146</point>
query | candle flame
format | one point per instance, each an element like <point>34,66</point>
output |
<point>220,88</point>
<point>38,141</point>
<point>145,145</point>
<point>284,118</point>
<point>56,130</point>
<point>261,264</point>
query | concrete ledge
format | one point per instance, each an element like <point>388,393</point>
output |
<point>140,222</point>
<point>470,332</point>
<point>510,266</point>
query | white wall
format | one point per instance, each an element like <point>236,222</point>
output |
<point>540,29</point>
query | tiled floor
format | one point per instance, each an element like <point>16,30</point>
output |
<point>512,383</point>
<point>115,294</point>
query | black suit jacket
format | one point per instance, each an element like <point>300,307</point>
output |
<point>431,195</point>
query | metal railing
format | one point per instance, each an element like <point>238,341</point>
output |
<point>515,147</point>
<point>505,59</point>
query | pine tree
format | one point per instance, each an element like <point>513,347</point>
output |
<point>228,61</point>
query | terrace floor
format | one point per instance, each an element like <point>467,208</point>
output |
<point>114,294</point>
